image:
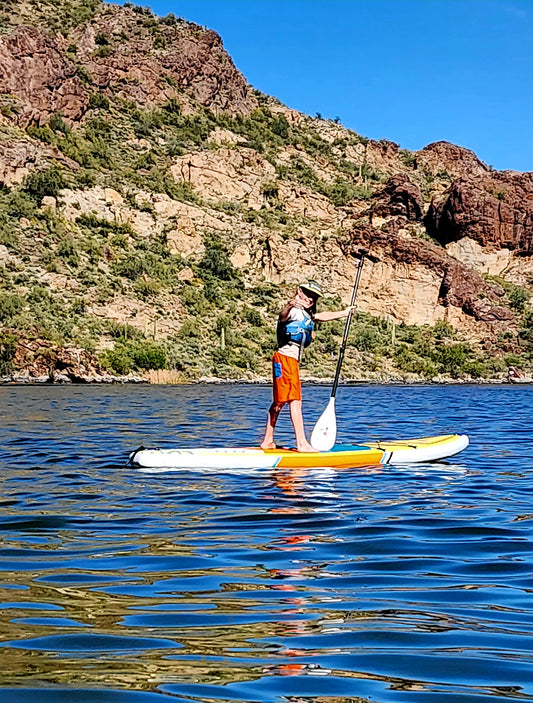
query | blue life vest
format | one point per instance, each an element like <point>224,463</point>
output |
<point>294,331</point>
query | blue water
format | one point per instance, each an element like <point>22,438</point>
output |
<point>397,584</point>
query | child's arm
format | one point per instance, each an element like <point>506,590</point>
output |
<point>328,315</point>
<point>284,314</point>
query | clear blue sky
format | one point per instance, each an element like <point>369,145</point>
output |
<point>412,71</point>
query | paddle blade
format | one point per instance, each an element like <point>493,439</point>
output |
<point>325,432</point>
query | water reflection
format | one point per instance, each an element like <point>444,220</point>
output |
<point>376,584</point>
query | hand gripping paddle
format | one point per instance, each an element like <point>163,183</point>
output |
<point>325,432</point>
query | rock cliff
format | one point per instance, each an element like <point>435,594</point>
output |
<point>154,204</point>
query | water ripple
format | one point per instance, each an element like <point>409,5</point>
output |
<point>375,585</point>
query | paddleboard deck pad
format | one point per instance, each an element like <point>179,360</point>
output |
<point>406,451</point>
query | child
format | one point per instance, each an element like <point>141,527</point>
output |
<point>295,331</point>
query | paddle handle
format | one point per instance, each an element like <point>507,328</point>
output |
<point>362,254</point>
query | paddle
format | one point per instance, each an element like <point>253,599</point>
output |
<point>325,432</point>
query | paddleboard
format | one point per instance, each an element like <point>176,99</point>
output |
<point>406,451</point>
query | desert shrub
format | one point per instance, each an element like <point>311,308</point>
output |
<point>118,360</point>
<point>39,184</point>
<point>130,266</point>
<point>326,340</point>
<point>194,300</point>
<point>147,289</point>
<point>42,133</point>
<point>406,360</point>
<point>74,13</point>
<point>407,158</point>
<point>253,317</point>
<point>66,250</point>
<point>105,227</point>
<point>475,369</point>
<point>84,75</point>
<point>159,180</point>
<point>99,101</point>
<point>58,124</point>
<point>407,333</point>
<point>443,330</point>
<point>215,262</point>
<point>366,337</point>
<point>10,305</point>
<point>16,204</point>
<point>518,298</point>
<point>122,330</point>
<point>245,358</point>
<point>148,356</point>
<point>8,346</point>
<point>128,356</point>
<point>342,191</point>
<point>160,42</point>
<point>280,126</point>
<point>451,358</point>
<point>270,190</point>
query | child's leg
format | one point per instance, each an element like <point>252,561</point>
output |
<point>273,414</point>
<point>302,445</point>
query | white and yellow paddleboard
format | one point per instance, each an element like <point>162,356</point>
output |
<point>341,456</point>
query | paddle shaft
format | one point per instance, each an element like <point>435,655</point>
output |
<point>362,253</point>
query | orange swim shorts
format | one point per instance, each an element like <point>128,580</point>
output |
<point>286,378</point>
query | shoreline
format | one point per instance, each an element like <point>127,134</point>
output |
<point>215,381</point>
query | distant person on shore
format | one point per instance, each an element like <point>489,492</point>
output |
<point>295,331</point>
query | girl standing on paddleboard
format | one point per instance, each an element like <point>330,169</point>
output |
<point>295,331</point>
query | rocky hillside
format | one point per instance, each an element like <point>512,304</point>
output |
<point>156,212</point>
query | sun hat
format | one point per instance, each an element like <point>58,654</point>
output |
<point>312,287</point>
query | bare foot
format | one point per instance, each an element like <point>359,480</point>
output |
<point>305,448</point>
<point>267,445</point>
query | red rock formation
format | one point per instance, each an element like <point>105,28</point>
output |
<point>40,359</point>
<point>445,158</point>
<point>146,64</point>
<point>36,73</point>
<point>399,197</point>
<point>150,68</point>
<point>495,210</point>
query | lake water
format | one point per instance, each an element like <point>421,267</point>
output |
<point>389,585</point>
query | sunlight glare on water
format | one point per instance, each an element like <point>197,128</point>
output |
<point>387,584</point>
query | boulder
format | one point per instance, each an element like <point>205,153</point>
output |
<point>496,211</point>
<point>399,197</point>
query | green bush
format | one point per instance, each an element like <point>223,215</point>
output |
<point>99,101</point>
<point>159,42</point>
<point>194,300</point>
<point>17,204</point>
<point>58,124</point>
<point>39,184</point>
<point>451,358</point>
<point>43,134</point>
<point>253,317</point>
<point>366,338</point>
<point>443,330</point>
<point>10,305</point>
<point>518,298</point>
<point>149,356</point>
<point>118,360</point>
<point>147,289</point>
<point>216,263</point>
<point>8,346</point>
<point>66,250</point>
<point>130,266</point>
